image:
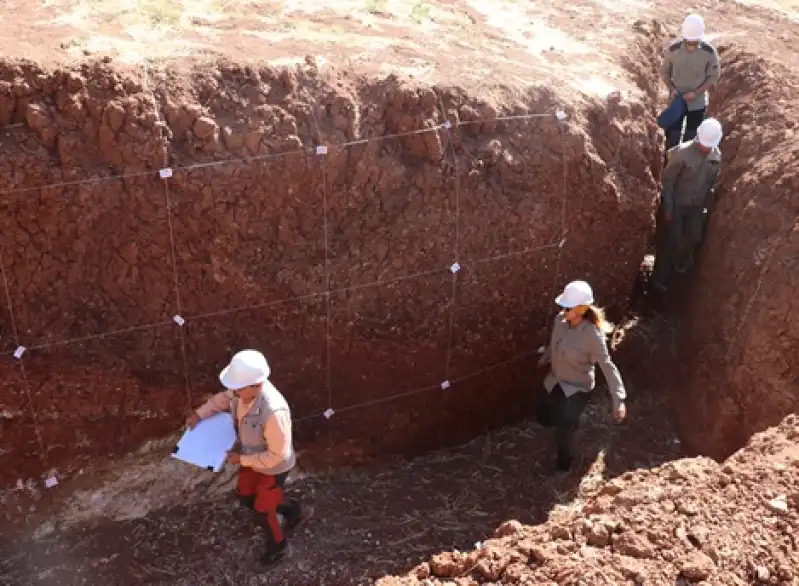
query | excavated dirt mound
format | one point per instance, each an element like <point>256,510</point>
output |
<point>282,246</point>
<point>688,521</point>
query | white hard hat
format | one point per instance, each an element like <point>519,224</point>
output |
<point>709,133</point>
<point>574,294</point>
<point>693,28</point>
<point>248,367</point>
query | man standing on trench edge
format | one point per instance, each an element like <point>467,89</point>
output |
<point>686,198</point>
<point>263,425</point>
<point>576,345</point>
<point>691,67</point>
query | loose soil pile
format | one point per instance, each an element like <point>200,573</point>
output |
<point>688,521</point>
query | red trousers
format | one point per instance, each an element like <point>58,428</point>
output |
<point>268,493</point>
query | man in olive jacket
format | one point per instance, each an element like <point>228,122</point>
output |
<point>687,195</point>
<point>691,66</point>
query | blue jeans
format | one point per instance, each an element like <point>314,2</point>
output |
<point>674,133</point>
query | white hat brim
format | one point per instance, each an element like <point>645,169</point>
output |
<point>559,301</point>
<point>228,383</point>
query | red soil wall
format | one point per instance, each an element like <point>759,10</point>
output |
<point>274,252</point>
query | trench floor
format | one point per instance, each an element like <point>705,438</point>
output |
<point>370,521</point>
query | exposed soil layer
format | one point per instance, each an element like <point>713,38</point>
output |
<point>688,521</point>
<point>281,246</point>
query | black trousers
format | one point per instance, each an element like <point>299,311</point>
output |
<point>674,133</point>
<point>563,413</point>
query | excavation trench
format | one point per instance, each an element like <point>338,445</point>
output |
<point>733,371</point>
<point>736,371</point>
<point>268,244</point>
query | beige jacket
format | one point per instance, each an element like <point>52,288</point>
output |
<point>277,433</point>
<point>572,354</point>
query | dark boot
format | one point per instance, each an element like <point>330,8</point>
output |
<point>292,513</point>
<point>275,552</point>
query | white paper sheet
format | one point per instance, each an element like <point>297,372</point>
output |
<point>208,443</point>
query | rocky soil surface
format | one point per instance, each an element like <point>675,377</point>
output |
<point>691,521</point>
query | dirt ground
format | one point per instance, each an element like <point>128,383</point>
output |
<point>154,522</point>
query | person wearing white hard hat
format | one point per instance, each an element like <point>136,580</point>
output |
<point>691,67</point>
<point>578,343</point>
<point>263,425</point>
<point>686,198</point>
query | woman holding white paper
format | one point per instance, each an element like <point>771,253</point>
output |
<point>262,419</point>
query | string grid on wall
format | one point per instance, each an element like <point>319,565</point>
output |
<point>447,130</point>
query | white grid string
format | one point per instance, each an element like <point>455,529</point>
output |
<point>297,299</point>
<point>447,126</point>
<point>250,159</point>
<point>424,389</point>
<point>563,230</point>
<point>101,336</point>
<point>168,202</point>
<point>327,293</point>
<point>507,118</point>
<point>522,252</point>
<point>23,373</point>
<point>453,301</point>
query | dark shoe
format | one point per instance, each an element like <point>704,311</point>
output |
<point>292,513</point>
<point>248,502</point>
<point>274,553</point>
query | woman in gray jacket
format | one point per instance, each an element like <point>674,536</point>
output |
<point>578,343</point>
